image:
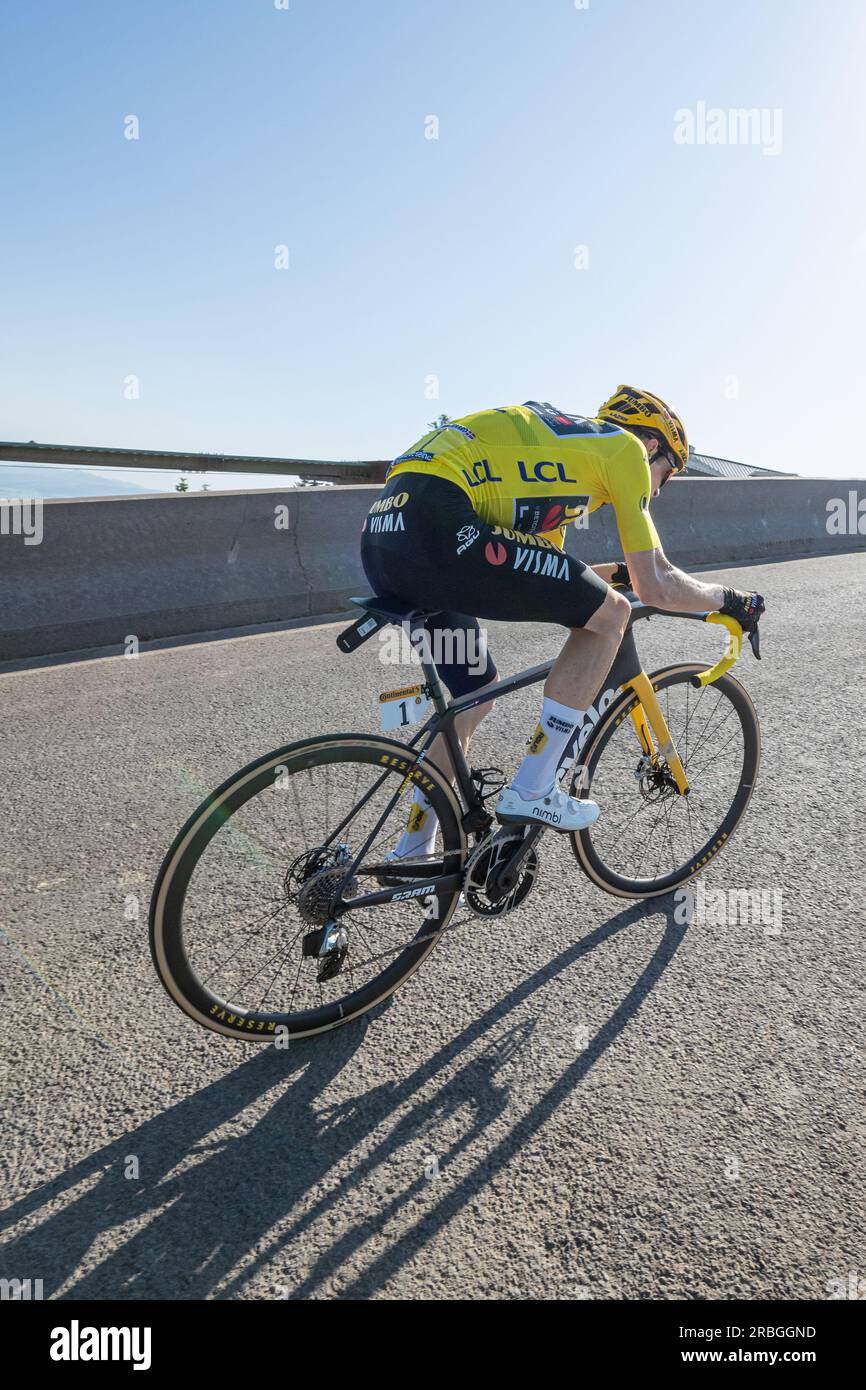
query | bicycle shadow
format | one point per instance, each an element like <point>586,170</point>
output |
<point>195,1230</point>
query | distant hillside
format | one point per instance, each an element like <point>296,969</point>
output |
<point>39,481</point>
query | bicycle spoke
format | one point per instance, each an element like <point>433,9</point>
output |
<point>273,979</point>
<point>704,731</point>
<point>243,945</point>
<point>715,756</point>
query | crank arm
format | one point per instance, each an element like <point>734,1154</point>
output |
<point>504,881</point>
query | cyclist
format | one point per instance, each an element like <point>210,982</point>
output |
<point>473,517</point>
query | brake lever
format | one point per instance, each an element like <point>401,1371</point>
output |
<point>755,642</point>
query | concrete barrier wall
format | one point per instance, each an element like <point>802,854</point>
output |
<point>722,521</point>
<point>164,566</point>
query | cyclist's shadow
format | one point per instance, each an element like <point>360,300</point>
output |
<point>211,1226</point>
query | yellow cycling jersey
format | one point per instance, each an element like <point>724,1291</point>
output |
<point>534,469</point>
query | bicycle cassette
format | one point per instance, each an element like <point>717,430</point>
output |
<point>492,854</point>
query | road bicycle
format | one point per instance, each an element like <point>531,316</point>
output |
<point>276,912</point>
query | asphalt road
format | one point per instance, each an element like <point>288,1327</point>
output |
<point>586,1099</point>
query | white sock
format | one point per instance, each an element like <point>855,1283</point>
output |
<point>555,727</point>
<point>419,837</point>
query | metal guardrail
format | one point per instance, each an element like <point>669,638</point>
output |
<point>360,471</point>
<point>330,470</point>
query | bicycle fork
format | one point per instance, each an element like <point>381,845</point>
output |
<point>649,709</point>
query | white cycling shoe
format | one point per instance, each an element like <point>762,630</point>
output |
<point>553,808</point>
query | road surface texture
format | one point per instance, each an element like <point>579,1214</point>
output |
<point>585,1099</point>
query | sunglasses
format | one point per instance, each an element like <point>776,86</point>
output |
<point>671,465</point>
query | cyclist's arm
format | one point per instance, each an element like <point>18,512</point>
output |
<point>661,585</point>
<point>650,572</point>
<point>654,579</point>
<point>605,572</point>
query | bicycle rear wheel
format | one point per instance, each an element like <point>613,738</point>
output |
<point>254,871</point>
<point>649,839</point>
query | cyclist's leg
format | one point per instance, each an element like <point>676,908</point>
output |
<point>459,649</point>
<point>535,580</point>
<point>586,658</point>
<point>569,690</point>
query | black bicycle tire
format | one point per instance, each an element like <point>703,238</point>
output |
<point>584,849</point>
<point>166,910</point>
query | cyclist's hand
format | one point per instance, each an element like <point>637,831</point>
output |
<point>747,609</point>
<point>621,576</point>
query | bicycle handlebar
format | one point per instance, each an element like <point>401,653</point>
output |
<point>732,651</point>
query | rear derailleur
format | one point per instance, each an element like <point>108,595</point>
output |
<point>329,945</point>
<point>312,884</point>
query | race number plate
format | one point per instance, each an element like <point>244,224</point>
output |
<point>399,708</point>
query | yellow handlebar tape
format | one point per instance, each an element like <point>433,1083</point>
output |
<point>732,653</point>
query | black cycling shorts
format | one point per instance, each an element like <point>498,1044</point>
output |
<point>423,543</point>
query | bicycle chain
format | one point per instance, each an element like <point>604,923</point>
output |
<point>479,849</point>
<point>419,940</point>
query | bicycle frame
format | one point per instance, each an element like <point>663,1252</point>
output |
<point>625,672</point>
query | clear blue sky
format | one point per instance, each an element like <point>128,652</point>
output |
<point>412,257</point>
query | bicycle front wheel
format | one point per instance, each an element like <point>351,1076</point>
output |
<point>649,838</point>
<point>252,877</point>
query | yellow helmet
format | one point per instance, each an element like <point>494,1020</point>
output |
<point>637,409</point>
